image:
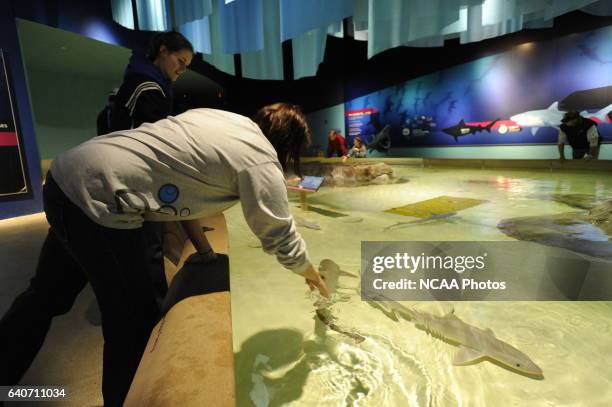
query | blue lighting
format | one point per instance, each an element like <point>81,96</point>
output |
<point>99,31</point>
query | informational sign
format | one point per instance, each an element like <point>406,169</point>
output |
<point>311,182</point>
<point>13,175</point>
<point>357,121</point>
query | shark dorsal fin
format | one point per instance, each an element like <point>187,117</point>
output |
<point>466,356</point>
<point>462,123</point>
<point>554,106</point>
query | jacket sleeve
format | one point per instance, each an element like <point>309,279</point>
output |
<point>593,136</point>
<point>263,195</point>
<point>562,137</point>
<point>148,106</point>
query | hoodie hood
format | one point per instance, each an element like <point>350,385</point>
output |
<point>140,65</point>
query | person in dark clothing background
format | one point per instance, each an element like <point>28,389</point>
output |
<point>581,133</point>
<point>145,96</point>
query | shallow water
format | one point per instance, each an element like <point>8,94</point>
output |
<point>285,356</point>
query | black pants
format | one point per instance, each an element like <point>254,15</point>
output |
<point>578,153</point>
<point>77,251</point>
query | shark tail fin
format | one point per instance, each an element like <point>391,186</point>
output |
<point>490,125</point>
<point>346,274</point>
<point>603,113</point>
<point>467,356</point>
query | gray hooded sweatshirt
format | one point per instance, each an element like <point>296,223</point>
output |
<point>193,165</point>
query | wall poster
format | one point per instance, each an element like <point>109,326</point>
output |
<point>516,97</point>
<point>14,180</point>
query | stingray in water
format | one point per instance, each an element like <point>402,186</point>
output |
<point>439,216</point>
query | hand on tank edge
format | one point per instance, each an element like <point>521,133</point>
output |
<point>314,280</point>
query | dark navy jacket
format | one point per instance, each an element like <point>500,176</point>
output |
<point>577,135</point>
<point>144,97</point>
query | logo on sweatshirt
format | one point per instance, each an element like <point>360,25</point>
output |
<point>168,193</point>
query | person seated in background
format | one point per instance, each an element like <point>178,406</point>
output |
<point>336,145</point>
<point>581,133</point>
<point>358,150</point>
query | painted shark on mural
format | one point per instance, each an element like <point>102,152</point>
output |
<point>463,129</point>
<point>552,116</point>
<point>474,344</point>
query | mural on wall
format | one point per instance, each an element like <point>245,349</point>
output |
<point>13,176</point>
<point>517,97</point>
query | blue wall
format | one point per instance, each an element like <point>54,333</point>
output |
<point>9,42</point>
<point>517,97</point>
<point>322,120</point>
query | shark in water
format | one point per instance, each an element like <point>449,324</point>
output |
<point>331,273</point>
<point>552,116</point>
<point>474,344</point>
<point>306,223</point>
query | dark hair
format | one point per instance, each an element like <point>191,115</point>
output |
<point>285,126</point>
<point>571,115</point>
<point>173,40</point>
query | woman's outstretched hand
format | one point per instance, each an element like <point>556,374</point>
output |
<point>314,280</point>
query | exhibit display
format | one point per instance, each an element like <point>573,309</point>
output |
<point>513,98</point>
<point>14,179</point>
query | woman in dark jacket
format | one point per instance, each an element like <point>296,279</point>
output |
<point>146,97</point>
<point>146,93</point>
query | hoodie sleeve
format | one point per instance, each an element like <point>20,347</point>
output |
<point>263,195</point>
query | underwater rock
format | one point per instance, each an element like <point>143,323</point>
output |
<point>580,201</point>
<point>381,179</point>
<point>572,231</point>
<point>601,216</point>
<point>353,175</point>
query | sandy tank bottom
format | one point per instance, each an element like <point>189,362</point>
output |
<point>287,356</point>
